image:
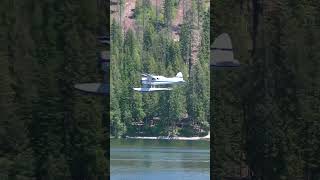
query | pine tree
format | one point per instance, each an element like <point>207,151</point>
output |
<point>168,12</point>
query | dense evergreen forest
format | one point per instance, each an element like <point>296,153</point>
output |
<point>265,115</point>
<point>47,129</point>
<point>150,38</point>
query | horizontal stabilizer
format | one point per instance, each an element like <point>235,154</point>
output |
<point>233,63</point>
<point>94,88</point>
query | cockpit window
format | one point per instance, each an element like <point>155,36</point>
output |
<point>153,79</point>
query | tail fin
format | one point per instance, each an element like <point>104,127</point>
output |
<point>179,75</point>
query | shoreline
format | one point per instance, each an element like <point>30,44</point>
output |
<point>169,138</point>
<point>207,138</point>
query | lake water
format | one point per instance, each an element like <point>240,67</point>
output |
<point>159,160</point>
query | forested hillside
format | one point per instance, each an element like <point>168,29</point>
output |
<point>150,39</point>
<point>47,129</point>
<point>265,114</point>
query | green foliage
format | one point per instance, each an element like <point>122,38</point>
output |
<point>168,11</point>
<point>155,52</point>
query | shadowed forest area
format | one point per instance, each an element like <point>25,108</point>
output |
<point>265,114</point>
<point>47,129</point>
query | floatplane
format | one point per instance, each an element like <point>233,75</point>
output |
<point>150,81</point>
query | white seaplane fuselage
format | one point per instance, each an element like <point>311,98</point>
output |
<point>150,81</point>
<point>161,80</point>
